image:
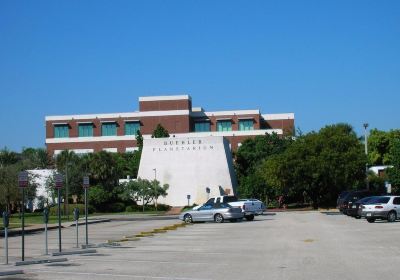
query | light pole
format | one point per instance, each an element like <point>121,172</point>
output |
<point>155,187</point>
<point>366,151</point>
<point>66,202</point>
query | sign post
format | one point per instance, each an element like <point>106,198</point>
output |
<point>46,221</point>
<point>208,190</point>
<point>59,184</point>
<point>86,185</point>
<point>76,218</point>
<point>6,222</point>
<point>188,198</point>
<point>23,183</point>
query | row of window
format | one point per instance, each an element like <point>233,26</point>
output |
<point>131,128</point>
<point>86,129</point>
<point>223,125</point>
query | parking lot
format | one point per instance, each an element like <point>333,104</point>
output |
<point>295,245</point>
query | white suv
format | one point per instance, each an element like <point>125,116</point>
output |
<point>383,207</point>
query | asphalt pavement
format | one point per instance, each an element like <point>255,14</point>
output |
<point>295,245</point>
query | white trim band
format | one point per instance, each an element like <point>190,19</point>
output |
<point>271,117</point>
<point>226,113</point>
<point>148,136</point>
<point>119,115</point>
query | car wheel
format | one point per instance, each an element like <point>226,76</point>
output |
<point>188,219</point>
<point>250,217</point>
<point>371,220</point>
<point>218,218</point>
<point>391,217</point>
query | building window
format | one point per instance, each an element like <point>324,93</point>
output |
<point>246,125</point>
<point>202,127</point>
<point>224,125</point>
<point>85,130</point>
<point>61,131</point>
<point>109,129</point>
<point>131,128</point>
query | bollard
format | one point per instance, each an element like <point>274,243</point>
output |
<point>6,222</point>
<point>46,221</point>
<point>76,219</point>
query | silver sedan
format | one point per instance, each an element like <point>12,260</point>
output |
<point>217,213</point>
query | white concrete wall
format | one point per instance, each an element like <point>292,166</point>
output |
<point>189,166</point>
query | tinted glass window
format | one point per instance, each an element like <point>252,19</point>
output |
<point>396,200</point>
<point>343,194</point>
<point>210,201</point>
<point>222,205</point>
<point>230,199</point>
<point>205,207</point>
<point>380,200</point>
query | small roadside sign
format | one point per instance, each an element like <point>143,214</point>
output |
<point>59,181</point>
<point>23,179</point>
<point>86,182</point>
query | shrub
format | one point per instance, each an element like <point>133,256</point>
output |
<point>139,208</point>
<point>81,207</point>
<point>116,207</point>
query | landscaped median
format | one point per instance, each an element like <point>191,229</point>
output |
<point>136,237</point>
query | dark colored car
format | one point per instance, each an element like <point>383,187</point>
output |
<point>351,197</point>
<point>355,210</point>
<point>339,201</point>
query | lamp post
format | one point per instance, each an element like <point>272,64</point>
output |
<point>155,187</point>
<point>366,151</point>
<point>66,202</point>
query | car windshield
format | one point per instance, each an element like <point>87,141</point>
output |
<point>343,194</point>
<point>230,199</point>
<point>379,200</point>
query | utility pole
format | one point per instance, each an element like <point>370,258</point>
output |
<point>366,151</point>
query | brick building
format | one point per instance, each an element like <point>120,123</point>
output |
<point>116,132</point>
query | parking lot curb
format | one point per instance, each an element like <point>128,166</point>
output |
<point>11,272</point>
<point>41,261</point>
<point>77,252</point>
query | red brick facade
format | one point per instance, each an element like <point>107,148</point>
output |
<point>175,113</point>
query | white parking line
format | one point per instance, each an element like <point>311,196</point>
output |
<point>111,275</point>
<point>147,261</point>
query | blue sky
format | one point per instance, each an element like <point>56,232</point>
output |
<point>326,61</point>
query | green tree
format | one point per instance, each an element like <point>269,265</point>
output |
<point>73,167</point>
<point>144,191</point>
<point>322,164</point>
<point>160,132</point>
<point>394,172</point>
<point>37,158</point>
<point>379,146</point>
<point>250,157</point>
<point>7,157</point>
<point>139,140</point>
<point>102,167</point>
<point>158,190</point>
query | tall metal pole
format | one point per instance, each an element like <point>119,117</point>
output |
<point>47,243</point>
<point>59,220</point>
<point>6,241</point>
<point>23,182</point>
<point>155,188</point>
<point>366,152</point>
<point>86,218</point>
<point>66,191</point>
<point>23,224</point>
